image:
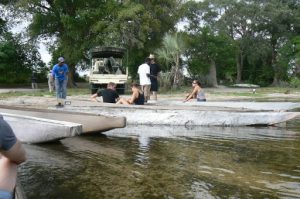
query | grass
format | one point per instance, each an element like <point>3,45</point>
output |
<point>44,93</point>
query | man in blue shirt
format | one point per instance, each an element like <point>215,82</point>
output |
<point>60,74</point>
<point>11,154</point>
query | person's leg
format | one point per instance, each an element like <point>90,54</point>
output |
<point>122,101</point>
<point>154,88</point>
<point>57,88</point>
<point>8,174</point>
<point>50,86</point>
<point>147,92</point>
<point>154,93</point>
<point>64,89</point>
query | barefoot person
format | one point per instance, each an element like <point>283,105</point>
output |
<point>137,96</point>
<point>197,92</point>
<point>11,155</point>
<point>109,95</point>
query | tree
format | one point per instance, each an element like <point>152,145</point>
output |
<point>173,47</point>
<point>18,60</point>
<point>77,26</point>
<point>258,29</point>
<point>276,24</point>
<point>213,50</point>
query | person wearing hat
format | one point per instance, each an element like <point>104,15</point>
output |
<point>60,74</point>
<point>154,71</point>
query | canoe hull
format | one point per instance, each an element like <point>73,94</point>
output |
<point>37,130</point>
<point>181,117</point>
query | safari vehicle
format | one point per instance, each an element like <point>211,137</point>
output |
<point>108,66</point>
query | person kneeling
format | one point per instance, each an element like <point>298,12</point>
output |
<point>136,98</point>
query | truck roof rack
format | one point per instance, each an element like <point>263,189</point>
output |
<point>105,52</point>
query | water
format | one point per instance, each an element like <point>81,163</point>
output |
<point>168,162</point>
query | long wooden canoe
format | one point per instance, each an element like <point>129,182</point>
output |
<point>188,116</point>
<point>40,125</point>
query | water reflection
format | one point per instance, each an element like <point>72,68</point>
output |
<point>168,162</point>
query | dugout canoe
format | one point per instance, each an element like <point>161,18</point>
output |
<point>188,116</point>
<point>38,130</point>
<point>42,125</point>
<point>257,106</point>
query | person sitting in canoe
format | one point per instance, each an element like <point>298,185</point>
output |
<point>136,98</point>
<point>197,92</point>
<point>11,154</point>
<point>109,95</point>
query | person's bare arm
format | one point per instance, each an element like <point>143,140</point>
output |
<point>8,174</point>
<point>16,153</point>
<point>190,96</point>
<point>133,97</point>
<point>94,97</point>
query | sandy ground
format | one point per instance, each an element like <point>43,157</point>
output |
<point>212,94</point>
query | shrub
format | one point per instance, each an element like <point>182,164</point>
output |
<point>295,82</point>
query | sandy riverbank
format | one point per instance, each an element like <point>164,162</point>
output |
<point>212,94</point>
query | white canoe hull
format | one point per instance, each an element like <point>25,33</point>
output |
<point>181,117</point>
<point>37,130</point>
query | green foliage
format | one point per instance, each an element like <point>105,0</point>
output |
<point>205,46</point>
<point>260,33</point>
<point>18,60</point>
<point>78,26</point>
<point>295,82</point>
<point>173,47</point>
<point>228,40</point>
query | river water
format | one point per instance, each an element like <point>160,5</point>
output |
<point>168,162</point>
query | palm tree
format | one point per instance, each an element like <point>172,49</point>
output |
<point>173,47</point>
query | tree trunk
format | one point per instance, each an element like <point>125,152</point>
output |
<point>273,64</point>
<point>297,70</point>
<point>239,67</point>
<point>213,73</point>
<point>176,73</point>
<point>71,80</point>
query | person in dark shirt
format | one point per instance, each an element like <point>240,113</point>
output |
<point>136,98</point>
<point>109,95</point>
<point>11,154</point>
<point>154,71</point>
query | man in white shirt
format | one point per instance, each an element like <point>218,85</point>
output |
<point>144,75</point>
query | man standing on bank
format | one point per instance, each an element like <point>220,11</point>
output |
<point>11,154</point>
<point>144,75</point>
<point>60,74</point>
<point>154,71</point>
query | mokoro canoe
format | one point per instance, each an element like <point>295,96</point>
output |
<point>188,116</point>
<point>42,125</point>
